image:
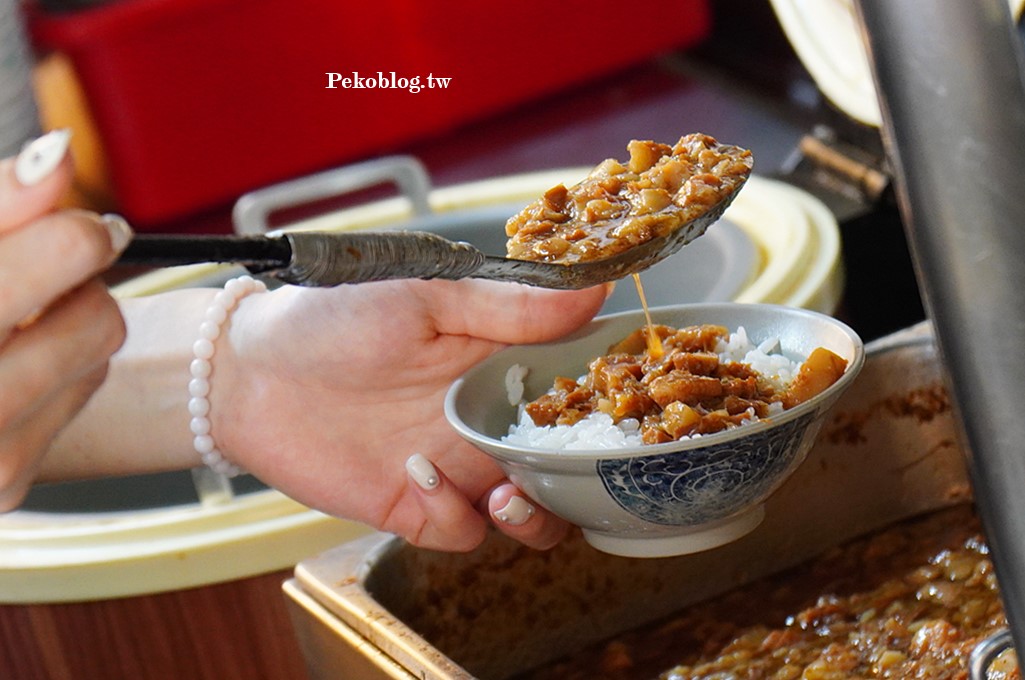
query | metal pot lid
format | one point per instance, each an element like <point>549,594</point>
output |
<point>826,36</point>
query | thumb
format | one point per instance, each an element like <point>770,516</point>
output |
<point>511,313</point>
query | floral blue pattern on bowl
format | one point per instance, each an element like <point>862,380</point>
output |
<point>705,484</point>
<point>666,499</point>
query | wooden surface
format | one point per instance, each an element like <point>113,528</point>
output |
<point>231,631</point>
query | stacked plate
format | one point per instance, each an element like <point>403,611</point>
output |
<point>19,118</point>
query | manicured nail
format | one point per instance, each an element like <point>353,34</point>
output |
<point>422,472</point>
<point>516,512</point>
<point>41,156</point>
<point>120,231</point>
<point>29,320</point>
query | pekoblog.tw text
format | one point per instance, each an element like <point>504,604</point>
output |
<point>385,81</point>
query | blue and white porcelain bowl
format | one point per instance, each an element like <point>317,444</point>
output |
<point>664,499</point>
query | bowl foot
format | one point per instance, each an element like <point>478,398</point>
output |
<point>706,537</point>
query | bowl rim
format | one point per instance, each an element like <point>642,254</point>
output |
<point>512,453</point>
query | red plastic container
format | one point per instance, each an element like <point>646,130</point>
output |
<point>199,101</point>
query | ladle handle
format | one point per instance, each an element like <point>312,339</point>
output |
<point>329,259</point>
<point>317,258</point>
<point>259,252</point>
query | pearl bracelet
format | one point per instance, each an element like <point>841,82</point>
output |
<point>200,368</point>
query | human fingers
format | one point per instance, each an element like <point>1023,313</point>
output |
<point>73,338</point>
<point>48,370</point>
<point>22,447</point>
<point>450,520</point>
<point>510,313</point>
<point>33,181</point>
<point>519,518</point>
<point>54,254</point>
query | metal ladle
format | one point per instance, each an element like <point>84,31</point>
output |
<point>333,258</point>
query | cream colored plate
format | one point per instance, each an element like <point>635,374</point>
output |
<point>51,557</point>
<point>800,240</point>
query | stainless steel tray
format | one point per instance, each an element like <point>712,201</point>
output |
<point>378,608</point>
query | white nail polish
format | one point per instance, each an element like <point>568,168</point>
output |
<point>516,512</point>
<point>30,319</point>
<point>41,156</point>
<point>119,230</point>
<point>422,472</point>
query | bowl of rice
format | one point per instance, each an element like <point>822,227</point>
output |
<point>663,444</point>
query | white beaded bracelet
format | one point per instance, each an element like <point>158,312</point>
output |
<point>201,368</point>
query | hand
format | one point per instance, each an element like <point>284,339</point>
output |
<point>325,394</point>
<point>58,324</point>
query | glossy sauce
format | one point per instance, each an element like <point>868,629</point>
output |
<point>655,349</point>
<point>619,206</point>
<point>910,601</point>
<point>689,390</point>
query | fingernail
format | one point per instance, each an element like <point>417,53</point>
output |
<point>29,320</point>
<point>41,156</point>
<point>119,230</point>
<point>610,288</point>
<point>422,472</point>
<point>516,512</point>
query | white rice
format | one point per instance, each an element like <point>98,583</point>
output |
<point>597,431</point>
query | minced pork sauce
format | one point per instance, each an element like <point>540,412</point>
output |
<point>687,390</point>
<point>911,601</point>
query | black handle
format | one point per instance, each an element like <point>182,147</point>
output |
<point>257,253</point>
<point>317,258</point>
